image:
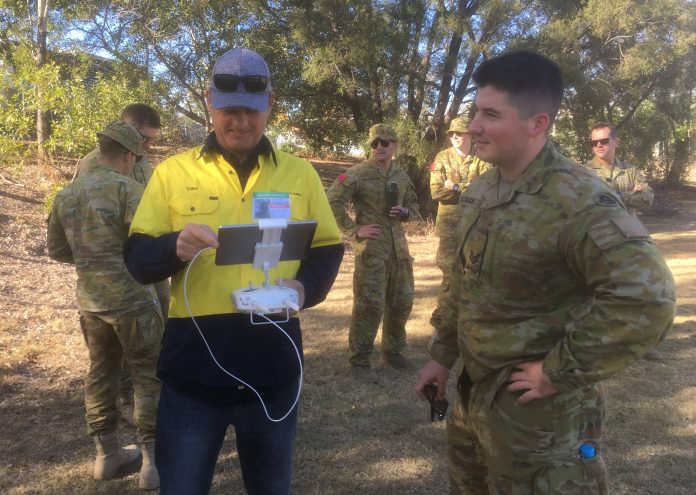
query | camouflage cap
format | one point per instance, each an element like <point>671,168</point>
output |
<point>460,124</point>
<point>382,131</point>
<point>125,134</point>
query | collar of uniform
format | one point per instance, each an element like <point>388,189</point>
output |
<point>597,165</point>
<point>538,172</point>
<point>263,148</point>
<point>99,165</point>
<point>373,162</point>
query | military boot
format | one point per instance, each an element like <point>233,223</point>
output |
<point>149,477</point>
<point>111,457</point>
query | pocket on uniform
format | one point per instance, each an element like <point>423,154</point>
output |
<point>569,477</point>
<point>194,208</point>
<point>529,428</point>
<point>149,327</point>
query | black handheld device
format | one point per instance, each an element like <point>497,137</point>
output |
<point>438,408</point>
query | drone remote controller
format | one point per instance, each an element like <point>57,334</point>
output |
<point>266,300</point>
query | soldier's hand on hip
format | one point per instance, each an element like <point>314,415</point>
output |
<point>192,239</point>
<point>369,231</point>
<point>530,378</point>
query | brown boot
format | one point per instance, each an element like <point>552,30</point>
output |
<point>149,477</point>
<point>398,361</point>
<point>111,457</point>
<point>654,355</point>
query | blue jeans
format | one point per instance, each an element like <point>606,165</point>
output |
<point>190,434</point>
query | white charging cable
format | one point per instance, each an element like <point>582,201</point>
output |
<point>297,352</point>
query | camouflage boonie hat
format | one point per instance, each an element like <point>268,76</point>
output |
<point>382,131</point>
<point>125,134</point>
<point>460,124</point>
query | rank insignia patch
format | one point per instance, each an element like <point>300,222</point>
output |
<point>605,199</point>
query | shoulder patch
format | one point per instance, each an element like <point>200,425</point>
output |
<point>431,167</point>
<point>631,227</point>
<point>612,232</point>
<point>606,199</point>
<point>342,177</point>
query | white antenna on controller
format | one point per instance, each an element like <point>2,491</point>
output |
<point>267,252</point>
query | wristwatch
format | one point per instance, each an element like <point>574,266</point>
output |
<point>455,188</point>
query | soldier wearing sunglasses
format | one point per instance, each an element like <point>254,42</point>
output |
<point>450,174</point>
<point>627,180</point>
<point>383,197</point>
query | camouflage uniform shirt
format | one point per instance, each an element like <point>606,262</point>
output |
<point>623,178</point>
<point>88,225</point>
<point>461,170</point>
<point>141,173</point>
<point>554,269</point>
<point>365,185</point>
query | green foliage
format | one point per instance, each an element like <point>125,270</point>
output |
<point>340,66</point>
<point>77,109</point>
<point>51,195</point>
<point>414,154</point>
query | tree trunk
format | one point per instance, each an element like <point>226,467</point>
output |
<point>41,55</point>
<point>677,169</point>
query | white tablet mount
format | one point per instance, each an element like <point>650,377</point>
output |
<point>267,299</point>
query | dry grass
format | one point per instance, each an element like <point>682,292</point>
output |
<point>352,438</point>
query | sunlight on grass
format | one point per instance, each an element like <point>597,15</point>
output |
<point>403,468</point>
<point>16,347</point>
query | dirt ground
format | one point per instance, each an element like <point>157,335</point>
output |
<point>352,438</point>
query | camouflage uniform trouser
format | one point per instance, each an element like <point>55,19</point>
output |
<point>135,337</point>
<point>382,290</point>
<point>497,447</point>
<point>162,289</point>
<point>444,259</point>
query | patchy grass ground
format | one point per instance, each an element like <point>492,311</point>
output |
<point>352,438</point>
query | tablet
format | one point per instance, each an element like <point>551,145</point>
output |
<point>238,242</point>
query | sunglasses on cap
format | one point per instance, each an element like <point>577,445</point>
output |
<point>597,142</point>
<point>229,83</point>
<point>384,142</point>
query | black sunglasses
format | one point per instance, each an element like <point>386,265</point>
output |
<point>146,139</point>
<point>384,142</point>
<point>229,83</point>
<point>596,142</point>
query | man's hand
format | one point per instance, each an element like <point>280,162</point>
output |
<point>369,231</point>
<point>192,239</point>
<point>432,372</point>
<point>398,212</point>
<point>530,378</point>
<point>638,188</point>
<point>449,185</point>
<point>294,284</point>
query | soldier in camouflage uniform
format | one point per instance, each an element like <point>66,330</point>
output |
<point>383,197</point>
<point>557,287</point>
<point>628,181</point>
<point>450,174</point>
<point>120,318</point>
<point>146,120</point>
